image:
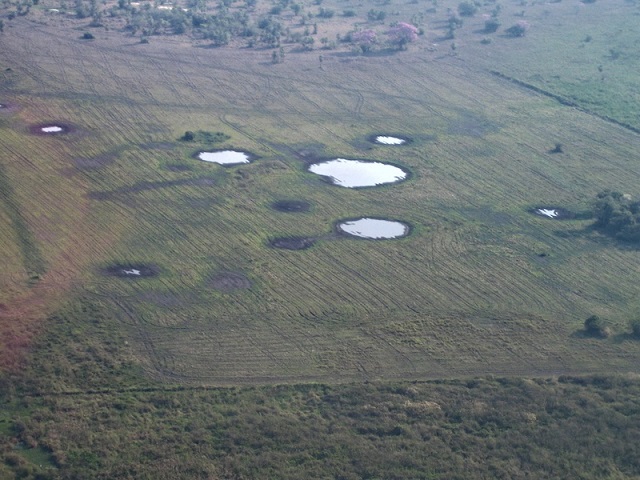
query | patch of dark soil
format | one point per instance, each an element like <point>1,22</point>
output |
<point>94,163</point>
<point>163,299</point>
<point>471,124</point>
<point>229,281</point>
<point>205,203</point>
<point>159,145</point>
<point>553,213</point>
<point>143,186</point>
<point>177,167</point>
<point>292,243</point>
<point>309,152</point>
<point>292,206</point>
<point>8,108</point>
<point>64,128</point>
<point>131,270</point>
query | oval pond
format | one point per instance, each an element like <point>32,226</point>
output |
<point>358,173</point>
<point>374,228</point>
<point>225,157</point>
<point>389,140</point>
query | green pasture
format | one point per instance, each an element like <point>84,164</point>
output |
<point>481,285</point>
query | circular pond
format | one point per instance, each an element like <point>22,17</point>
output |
<point>389,140</point>
<point>374,228</point>
<point>358,173</point>
<point>224,157</point>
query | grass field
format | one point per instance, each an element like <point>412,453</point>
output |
<point>480,287</point>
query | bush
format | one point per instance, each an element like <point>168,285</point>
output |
<point>519,29</point>
<point>467,9</point>
<point>596,327</point>
<point>88,36</point>
<point>635,328</point>
<point>188,136</point>
<point>618,216</point>
<point>491,25</point>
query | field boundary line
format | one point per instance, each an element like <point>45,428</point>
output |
<point>562,100</point>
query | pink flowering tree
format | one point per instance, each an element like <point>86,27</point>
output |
<point>402,34</point>
<point>365,39</point>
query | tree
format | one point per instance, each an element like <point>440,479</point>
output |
<point>618,216</point>
<point>519,29</point>
<point>402,34</point>
<point>188,136</point>
<point>365,39</point>
<point>467,9</point>
<point>596,327</point>
<point>491,25</point>
<point>635,328</point>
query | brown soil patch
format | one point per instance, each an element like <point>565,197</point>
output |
<point>229,282</point>
<point>291,206</point>
<point>292,243</point>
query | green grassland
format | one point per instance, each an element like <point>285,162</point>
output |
<point>480,287</point>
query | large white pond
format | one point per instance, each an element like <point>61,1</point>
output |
<point>225,157</point>
<point>389,140</point>
<point>358,173</point>
<point>374,228</point>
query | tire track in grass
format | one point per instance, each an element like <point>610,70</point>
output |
<point>32,258</point>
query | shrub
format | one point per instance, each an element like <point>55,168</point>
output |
<point>188,136</point>
<point>491,25</point>
<point>519,29</point>
<point>88,36</point>
<point>467,9</point>
<point>596,327</point>
<point>618,216</point>
<point>557,148</point>
<point>635,328</point>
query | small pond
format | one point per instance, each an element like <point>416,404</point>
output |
<point>131,271</point>
<point>554,213</point>
<point>374,228</point>
<point>389,140</point>
<point>224,157</point>
<point>52,129</point>
<point>358,173</point>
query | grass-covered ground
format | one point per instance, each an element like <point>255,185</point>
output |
<point>481,286</point>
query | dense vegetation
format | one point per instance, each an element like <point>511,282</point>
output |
<point>566,427</point>
<point>618,215</point>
